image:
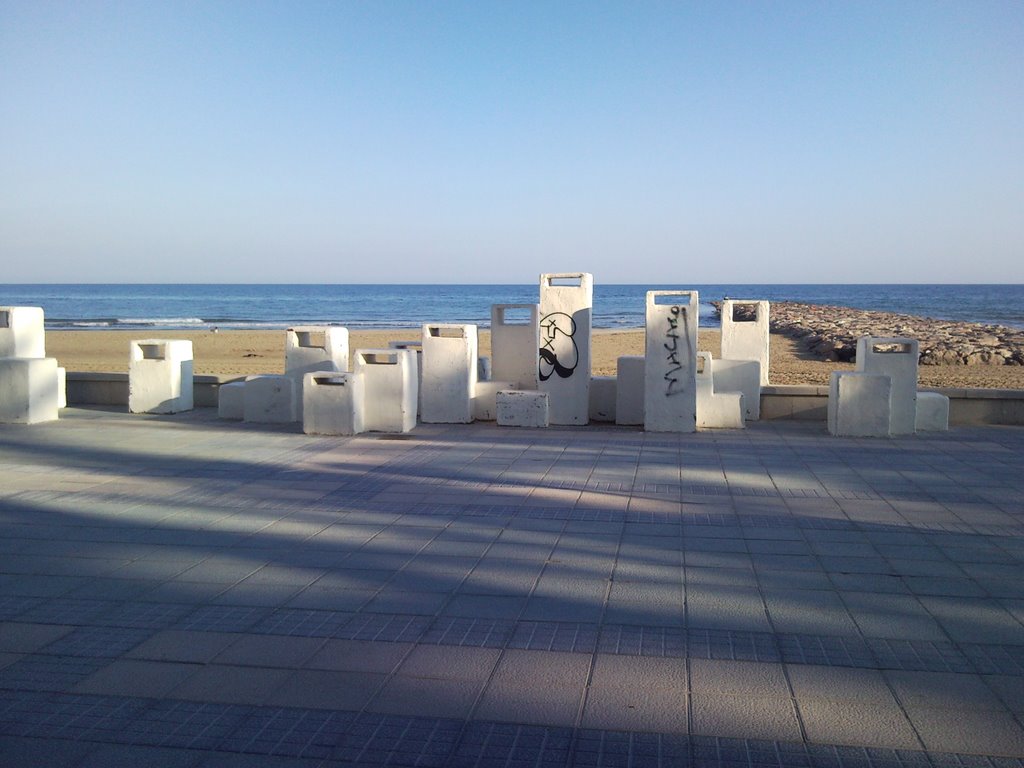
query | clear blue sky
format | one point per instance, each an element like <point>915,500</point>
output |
<point>476,142</point>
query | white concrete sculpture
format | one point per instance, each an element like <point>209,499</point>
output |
<point>629,390</point>
<point>21,332</point>
<point>670,367</point>
<point>389,389</point>
<point>932,412</point>
<point>333,403</point>
<point>315,348</point>
<point>515,339</point>
<point>485,398</point>
<point>523,408</point>
<point>897,359</point>
<point>449,373</point>
<point>417,347</point>
<point>160,376</point>
<point>269,399</point>
<point>859,404</point>
<point>28,390</point>
<point>740,376</point>
<point>603,393</point>
<point>566,302</point>
<point>231,400</point>
<point>745,332</point>
<point>715,409</point>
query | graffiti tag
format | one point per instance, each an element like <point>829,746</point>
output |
<point>559,354</point>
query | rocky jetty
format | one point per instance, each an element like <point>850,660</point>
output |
<point>832,333</point>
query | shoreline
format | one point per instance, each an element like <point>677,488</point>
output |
<point>241,353</point>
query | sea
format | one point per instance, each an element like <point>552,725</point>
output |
<point>266,306</point>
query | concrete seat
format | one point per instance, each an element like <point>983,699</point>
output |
<point>522,408</point>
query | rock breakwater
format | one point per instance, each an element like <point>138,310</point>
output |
<point>832,333</point>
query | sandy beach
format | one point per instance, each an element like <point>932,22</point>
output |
<point>239,353</point>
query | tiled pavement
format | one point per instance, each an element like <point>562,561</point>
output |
<point>180,591</point>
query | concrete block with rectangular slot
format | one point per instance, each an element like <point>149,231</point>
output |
<point>603,392</point>
<point>417,347</point>
<point>231,400</point>
<point>389,389</point>
<point>315,348</point>
<point>28,390</point>
<point>629,390</point>
<point>160,376</point>
<point>740,376</point>
<point>670,366</point>
<point>932,412</point>
<point>897,359</point>
<point>522,408</point>
<point>269,399</point>
<point>21,332</point>
<point>859,404</point>
<point>515,340</point>
<point>449,372</point>
<point>566,305</point>
<point>716,410</point>
<point>332,403</point>
<point>485,399</point>
<point>745,332</point>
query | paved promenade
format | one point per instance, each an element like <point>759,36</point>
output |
<point>181,591</point>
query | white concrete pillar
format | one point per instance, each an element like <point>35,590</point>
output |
<point>449,373</point>
<point>932,412</point>
<point>389,389</point>
<point>859,404</point>
<point>740,376</point>
<point>515,339</point>
<point>315,348</point>
<point>333,403</point>
<point>21,332</point>
<point>670,368</point>
<point>745,332</point>
<point>62,388</point>
<point>629,390</point>
<point>269,399</point>
<point>716,410</point>
<point>231,400</point>
<point>28,390</point>
<point>417,347</point>
<point>603,393</point>
<point>897,359</point>
<point>160,376</point>
<point>566,305</point>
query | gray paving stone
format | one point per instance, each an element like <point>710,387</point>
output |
<point>738,677</point>
<point>359,656</point>
<point>231,685</point>
<point>536,687</point>
<point>269,651</point>
<point>185,646</point>
<point>744,716</point>
<point>137,677</point>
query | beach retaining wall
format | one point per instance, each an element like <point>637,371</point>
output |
<point>794,401</point>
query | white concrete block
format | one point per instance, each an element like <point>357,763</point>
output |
<point>160,376</point>
<point>483,368</point>
<point>716,410</point>
<point>566,302</point>
<point>21,332</point>
<point>897,359</point>
<point>522,408</point>
<point>932,412</point>
<point>333,403</point>
<point>629,390</point>
<point>449,373</point>
<point>670,369</point>
<point>859,404</point>
<point>515,340</point>
<point>417,347</point>
<point>231,400</point>
<point>745,332</point>
<point>315,348</point>
<point>389,389</point>
<point>603,393</point>
<point>269,399</point>
<point>62,387</point>
<point>485,404</point>
<point>740,376</point>
<point>28,390</point>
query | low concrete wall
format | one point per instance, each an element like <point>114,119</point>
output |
<point>801,401</point>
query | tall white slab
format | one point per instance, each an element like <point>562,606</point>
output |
<point>21,332</point>
<point>745,332</point>
<point>515,339</point>
<point>670,366</point>
<point>716,409</point>
<point>629,390</point>
<point>28,390</point>
<point>160,376</point>
<point>449,373</point>
<point>417,347</point>
<point>740,376</point>
<point>566,305</point>
<point>389,389</point>
<point>897,359</point>
<point>859,404</point>
<point>333,403</point>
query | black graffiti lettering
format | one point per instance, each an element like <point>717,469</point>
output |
<point>558,354</point>
<point>672,348</point>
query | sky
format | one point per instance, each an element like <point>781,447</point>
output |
<point>478,142</point>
